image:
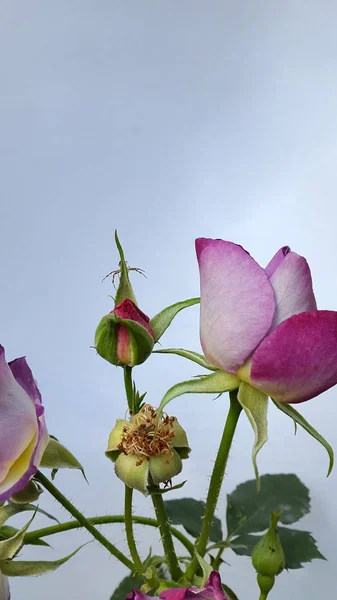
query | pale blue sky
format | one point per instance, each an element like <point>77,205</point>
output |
<point>167,120</point>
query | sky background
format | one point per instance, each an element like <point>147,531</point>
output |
<point>166,120</point>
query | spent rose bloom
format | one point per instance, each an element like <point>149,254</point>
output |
<point>213,590</point>
<point>262,325</point>
<point>23,432</point>
<point>147,451</point>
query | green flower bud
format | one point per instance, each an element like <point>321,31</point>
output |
<point>125,336</point>
<point>29,494</point>
<point>147,452</point>
<point>268,556</point>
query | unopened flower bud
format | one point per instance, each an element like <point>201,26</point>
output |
<point>268,556</point>
<point>147,451</point>
<point>124,336</point>
<point>29,494</point>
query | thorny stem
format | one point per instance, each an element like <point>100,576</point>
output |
<point>50,487</point>
<point>216,480</point>
<point>36,534</point>
<point>166,537</point>
<point>129,530</point>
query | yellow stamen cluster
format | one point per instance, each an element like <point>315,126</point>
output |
<point>145,436</point>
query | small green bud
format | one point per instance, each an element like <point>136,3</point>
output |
<point>268,556</point>
<point>265,583</point>
<point>29,494</point>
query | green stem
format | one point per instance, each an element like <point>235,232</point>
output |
<point>50,487</point>
<point>166,537</point>
<point>129,530</point>
<point>128,386</point>
<point>217,560</point>
<point>216,480</point>
<point>36,534</point>
<point>263,596</point>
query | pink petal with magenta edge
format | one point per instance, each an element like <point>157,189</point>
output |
<point>18,418</point>
<point>22,412</point>
<point>237,303</point>
<point>292,285</point>
<point>276,260</point>
<point>213,590</point>
<point>298,359</point>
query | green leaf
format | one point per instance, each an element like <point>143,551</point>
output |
<point>56,456</point>
<point>125,587</point>
<point>189,513</point>
<point>231,595</point>
<point>7,531</point>
<point>190,355</point>
<point>215,383</point>
<point>249,511</point>
<point>298,546</point>
<point>162,320</point>
<point>27,568</point>
<point>300,420</point>
<point>255,405</point>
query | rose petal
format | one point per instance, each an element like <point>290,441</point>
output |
<point>174,593</point>
<point>237,303</point>
<point>298,359</point>
<point>212,591</point>
<point>25,467</point>
<point>292,285</point>
<point>137,595</point>
<point>18,418</point>
<point>276,260</point>
<point>24,377</point>
<point>214,587</point>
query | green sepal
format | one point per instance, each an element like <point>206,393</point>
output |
<point>25,568</point>
<point>57,456</point>
<point>215,383</point>
<point>164,318</point>
<point>141,341</point>
<point>124,290</point>
<point>255,405</point>
<point>190,355</point>
<point>154,490</point>
<point>7,532</point>
<point>300,420</point>
<point>206,569</point>
<point>30,493</point>
<point>10,546</point>
<point>11,509</point>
